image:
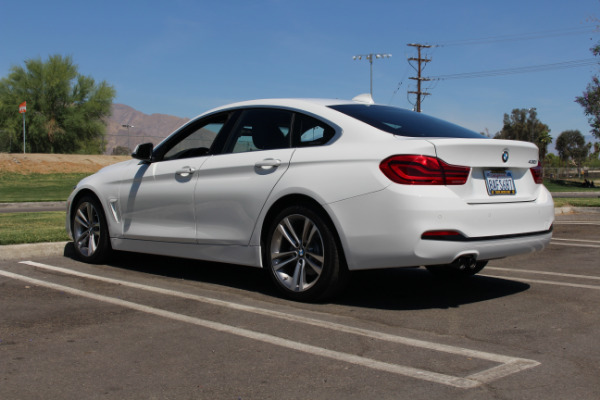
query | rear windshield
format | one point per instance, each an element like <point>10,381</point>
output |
<point>403,122</point>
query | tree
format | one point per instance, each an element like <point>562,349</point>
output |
<point>121,151</point>
<point>65,110</point>
<point>522,124</point>
<point>594,155</point>
<point>552,161</point>
<point>570,145</point>
<point>590,100</point>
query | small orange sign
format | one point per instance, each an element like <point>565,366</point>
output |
<point>23,107</point>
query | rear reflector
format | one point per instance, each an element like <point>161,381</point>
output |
<point>423,170</point>
<point>439,234</point>
<point>537,173</point>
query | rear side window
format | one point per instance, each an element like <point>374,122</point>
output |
<point>402,122</point>
<point>309,131</point>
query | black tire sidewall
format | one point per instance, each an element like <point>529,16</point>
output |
<point>103,250</point>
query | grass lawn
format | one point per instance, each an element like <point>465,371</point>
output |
<point>16,188</point>
<point>577,202</point>
<point>567,186</point>
<point>33,227</point>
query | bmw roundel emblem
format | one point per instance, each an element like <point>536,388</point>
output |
<point>505,155</point>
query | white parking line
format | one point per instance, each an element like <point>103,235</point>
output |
<point>509,365</point>
<point>530,271</point>
<point>577,240</point>
<point>575,223</point>
<point>577,285</point>
<point>556,274</point>
<point>574,245</point>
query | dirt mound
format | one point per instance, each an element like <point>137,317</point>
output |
<point>55,163</point>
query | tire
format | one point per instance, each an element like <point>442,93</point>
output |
<point>90,231</point>
<point>302,256</point>
<point>456,271</point>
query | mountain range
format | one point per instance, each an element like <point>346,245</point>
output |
<point>128,127</point>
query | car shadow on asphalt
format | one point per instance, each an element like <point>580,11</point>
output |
<point>388,289</point>
<point>417,289</point>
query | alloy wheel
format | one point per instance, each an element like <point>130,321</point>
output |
<point>297,253</point>
<point>87,229</point>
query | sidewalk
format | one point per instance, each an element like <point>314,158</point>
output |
<point>33,207</point>
<point>26,250</point>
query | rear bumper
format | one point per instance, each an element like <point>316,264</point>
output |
<point>389,235</point>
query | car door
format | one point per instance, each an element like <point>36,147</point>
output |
<point>233,187</point>
<point>157,203</point>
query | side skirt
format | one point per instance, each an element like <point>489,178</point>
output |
<point>232,254</point>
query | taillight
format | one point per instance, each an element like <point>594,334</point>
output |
<point>423,170</point>
<point>537,173</point>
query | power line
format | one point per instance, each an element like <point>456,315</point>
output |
<point>422,62</point>
<point>519,70</point>
<point>521,36</point>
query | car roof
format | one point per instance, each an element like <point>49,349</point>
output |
<point>307,104</point>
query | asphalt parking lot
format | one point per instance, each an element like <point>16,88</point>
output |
<point>148,327</point>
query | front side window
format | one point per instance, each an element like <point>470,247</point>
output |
<point>261,129</point>
<point>197,140</point>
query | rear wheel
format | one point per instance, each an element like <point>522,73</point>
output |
<point>457,270</point>
<point>302,256</point>
<point>90,231</point>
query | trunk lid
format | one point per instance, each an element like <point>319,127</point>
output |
<point>500,169</point>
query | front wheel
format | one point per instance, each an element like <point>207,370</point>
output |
<point>302,256</point>
<point>90,231</point>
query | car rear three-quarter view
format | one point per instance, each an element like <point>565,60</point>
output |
<point>311,189</point>
<point>454,203</point>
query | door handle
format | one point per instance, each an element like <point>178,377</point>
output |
<point>185,171</point>
<point>268,163</point>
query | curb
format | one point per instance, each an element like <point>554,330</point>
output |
<point>576,210</point>
<point>20,251</point>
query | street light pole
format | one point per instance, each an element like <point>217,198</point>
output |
<point>370,58</point>
<point>128,136</point>
<point>23,133</point>
<point>23,110</point>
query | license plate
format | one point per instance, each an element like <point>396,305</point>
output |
<point>499,183</point>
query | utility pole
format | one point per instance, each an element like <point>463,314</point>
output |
<point>419,78</point>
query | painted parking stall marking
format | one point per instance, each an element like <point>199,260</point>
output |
<point>506,365</point>
<point>593,281</point>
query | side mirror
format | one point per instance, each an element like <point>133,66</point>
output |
<point>143,152</point>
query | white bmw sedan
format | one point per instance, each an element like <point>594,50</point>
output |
<point>310,189</point>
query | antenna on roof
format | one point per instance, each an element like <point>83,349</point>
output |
<point>364,98</point>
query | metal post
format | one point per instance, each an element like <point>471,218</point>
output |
<point>370,58</point>
<point>23,133</point>
<point>128,135</point>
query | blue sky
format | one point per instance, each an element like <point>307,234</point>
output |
<point>183,57</point>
